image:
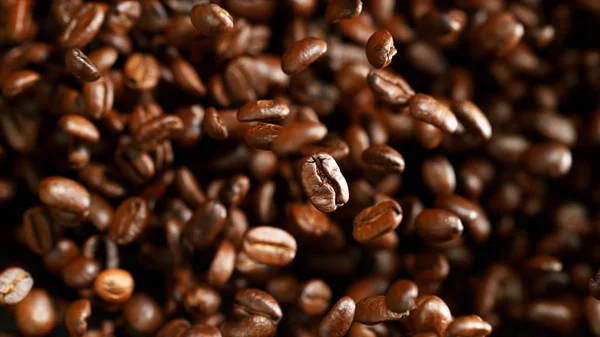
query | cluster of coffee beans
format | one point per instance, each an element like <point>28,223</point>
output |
<point>303,168</point>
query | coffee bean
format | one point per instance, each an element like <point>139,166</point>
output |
<point>211,19</point>
<point>383,158</point>
<point>471,325</point>
<point>374,310</point>
<point>343,10</point>
<point>202,330</point>
<point>430,315</point>
<point>64,251</point>
<point>15,284</point>
<point>548,159</point>
<point>380,49</point>
<point>205,224</point>
<point>389,87</point>
<point>79,128</point>
<point>130,221</point>
<point>263,111</point>
<point>65,195</point>
<point>309,220</point>
<point>270,245</point>
<point>338,320</point>
<point>439,176</point>
<point>213,125</point>
<point>76,317</point>
<point>296,135</point>
<point>98,97</point>
<point>436,225</point>
<point>187,78</point>
<point>253,326</point>
<point>323,182</point>
<point>543,263</point>
<point>142,313</point>
<point>561,315</point>
<point>141,71</point>
<point>499,34</point>
<point>35,315</point>
<point>201,299</point>
<point>80,272</point>
<point>19,82</point>
<point>377,220</point>
<point>114,285</point>
<point>261,135</point>
<point>156,131</point>
<point>302,54</point>
<point>222,265</point>
<point>174,328</point>
<point>39,230</point>
<point>315,297</point>
<point>429,110</point>
<point>592,308</point>
<point>401,296</point>
<point>472,118</point>
<point>249,302</point>
<point>78,64</point>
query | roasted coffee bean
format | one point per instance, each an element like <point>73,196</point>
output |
<point>83,26</point>
<point>548,159</point>
<point>35,314</point>
<point>375,221</point>
<point>39,230</point>
<point>263,111</point>
<point>315,297</point>
<point>222,265</point>
<point>78,64</point>
<point>438,174</point>
<point>98,97</point>
<point>270,245</point>
<point>201,299</point>
<point>436,225</point>
<point>141,71</point>
<point>114,285</point>
<point>155,131</point>
<point>308,220</point>
<point>61,255</point>
<point>373,310</point>
<point>15,285</point>
<point>188,187</point>
<point>383,158</point>
<point>389,87</point>
<point>250,302</point>
<point>206,224</point>
<point>130,221</point>
<point>429,110</point>
<point>338,320</point>
<point>252,326</point>
<point>142,314</point>
<point>19,82</point>
<point>261,135</point>
<point>296,135</point>
<point>323,182</point>
<point>186,77</point>
<point>79,128</point>
<point>401,296</point>
<point>76,317</point>
<point>211,19</point>
<point>235,190</point>
<point>213,125</point>
<point>471,325</point>
<point>472,118</point>
<point>499,34</point>
<point>173,328</point>
<point>65,195</point>
<point>80,272</point>
<point>302,54</point>
<point>560,315</point>
<point>343,10</point>
<point>202,330</point>
<point>380,49</point>
<point>430,315</point>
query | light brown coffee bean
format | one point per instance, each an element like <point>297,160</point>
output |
<point>19,82</point>
<point>261,135</point>
<point>438,175</point>
<point>141,71</point>
<point>338,320</point>
<point>429,110</point>
<point>211,19</point>
<point>263,111</point>
<point>389,87</point>
<point>437,226</point>
<point>401,296</point>
<point>296,135</point>
<point>302,54</point>
<point>15,284</point>
<point>343,10</point>
<point>376,221</point>
<point>270,245</point>
<point>114,285</point>
<point>315,296</point>
<point>380,49</point>
<point>84,25</point>
<point>383,158</point>
<point>373,310</point>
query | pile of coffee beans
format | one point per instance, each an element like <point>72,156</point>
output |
<point>302,168</point>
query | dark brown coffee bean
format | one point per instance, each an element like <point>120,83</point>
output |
<point>79,128</point>
<point>130,221</point>
<point>114,285</point>
<point>429,110</point>
<point>19,82</point>
<point>84,25</point>
<point>143,314</point>
<point>296,135</point>
<point>103,58</point>
<point>65,195</point>
<point>389,87</point>
<point>206,224</point>
<point>222,265</point>
<point>401,296</point>
<point>15,284</point>
<point>235,190</point>
<point>342,10</point>
<point>263,111</point>
<point>338,320</point>
<point>35,314</point>
<point>249,302</point>
<point>211,19</point>
<point>430,315</point>
<point>65,251</point>
<point>561,315</point>
<point>213,125</point>
<point>471,325</point>
<point>270,245</point>
<point>76,317</point>
<point>315,297</point>
<point>253,326</point>
<point>155,131</point>
<point>373,310</point>
<point>465,209</point>
<point>98,97</point>
<point>201,299</point>
<point>499,34</point>
<point>81,272</point>
<point>438,174</point>
<point>380,49</point>
<point>39,230</point>
<point>141,71</point>
<point>543,263</point>
<point>323,182</point>
<point>310,221</point>
<point>261,135</point>
<point>383,158</point>
<point>188,187</point>
<point>592,309</point>
<point>186,77</point>
<point>436,225</point>
<point>302,54</point>
<point>428,135</point>
<point>508,148</point>
<point>174,328</point>
<point>202,330</point>
<point>472,118</point>
<point>375,221</point>
<point>548,159</point>
<point>78,64</point>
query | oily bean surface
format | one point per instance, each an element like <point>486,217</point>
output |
<point>377,220</point>
<point>302,54</point>
<point>270,245</point>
